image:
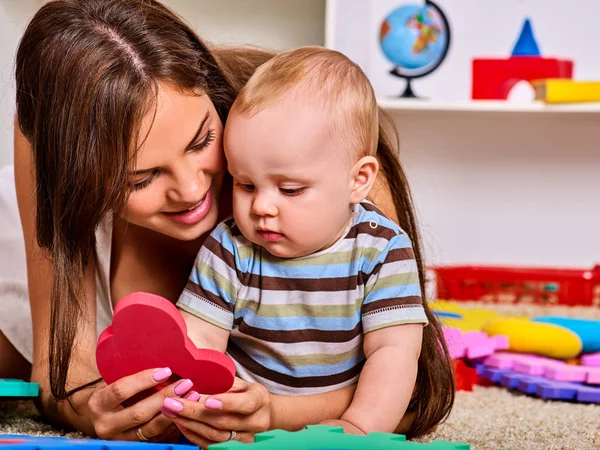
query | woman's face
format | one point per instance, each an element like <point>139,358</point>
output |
<point>179,167</point>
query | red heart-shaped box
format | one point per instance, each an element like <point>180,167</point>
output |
<point>148,332</point>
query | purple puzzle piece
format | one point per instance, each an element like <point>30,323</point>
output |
<point>588,394</point>
<point>492,374</point>
<point>543,387</point>
<point>555,390</point>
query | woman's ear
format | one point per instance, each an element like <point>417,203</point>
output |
<point>363,173</point>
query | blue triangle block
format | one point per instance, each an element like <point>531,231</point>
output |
<point>526,45</point>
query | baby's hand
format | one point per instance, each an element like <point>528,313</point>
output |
<point>347,426</point>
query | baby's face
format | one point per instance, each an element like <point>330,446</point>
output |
<point>292,181</point>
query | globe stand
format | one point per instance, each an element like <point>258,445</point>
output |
<point>408,91</point>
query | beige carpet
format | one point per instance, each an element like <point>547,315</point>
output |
<point>487,418</point>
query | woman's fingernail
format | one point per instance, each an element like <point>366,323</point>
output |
<point>168,413</point>
<point>171,405</point>
<point>213,403</point>
<point>193,396</point>
<point>161,374</point>
<point>183,387</point>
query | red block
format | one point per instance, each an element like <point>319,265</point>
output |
<point>494,78</point>
<point>149,332</point>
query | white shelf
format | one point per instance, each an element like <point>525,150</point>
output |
<point>495,106</point>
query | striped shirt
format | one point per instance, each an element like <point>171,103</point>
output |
<point>297,325</point>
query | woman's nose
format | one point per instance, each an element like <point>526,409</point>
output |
<point>189,185</point>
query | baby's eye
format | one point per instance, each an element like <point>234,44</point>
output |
<point>292,191</point>
<point>246,187</point>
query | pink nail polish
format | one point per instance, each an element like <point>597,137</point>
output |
<point>161,374</point>
<point>173,406</point>
<point>193,396</point>
<point>183,387</point>
<point>168,413</point>
<point>213,403</point>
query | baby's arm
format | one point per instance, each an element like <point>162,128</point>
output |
<point>208,300</point>
<point>204,334</point>
<point>392,319</point>
<point>388,378</point>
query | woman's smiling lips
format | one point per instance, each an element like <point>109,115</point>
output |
<point>193,215</point>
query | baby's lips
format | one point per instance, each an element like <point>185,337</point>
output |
<point>149,332</point>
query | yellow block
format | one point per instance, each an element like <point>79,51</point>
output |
<point>560,90</point>
<point>544,339</point>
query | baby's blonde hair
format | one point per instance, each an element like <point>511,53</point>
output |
<point>330,78</point>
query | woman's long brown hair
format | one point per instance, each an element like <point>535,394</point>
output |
<point>87,71</point>
<point>433,397</point>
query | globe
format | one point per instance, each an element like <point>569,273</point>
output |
<point>415,38</point>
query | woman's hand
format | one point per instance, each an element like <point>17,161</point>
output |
<point>114,413</point>
<point>245,409</point>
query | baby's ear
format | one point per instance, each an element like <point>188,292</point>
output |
<point>364,172</point>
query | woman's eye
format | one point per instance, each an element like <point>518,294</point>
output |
<point>210,136</point>
<point>145,182</point>
<point>292,191</point>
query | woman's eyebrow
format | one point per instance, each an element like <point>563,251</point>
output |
<point>199,130</point>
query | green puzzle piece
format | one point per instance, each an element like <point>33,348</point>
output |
<point>18,388</point>
<point>319,437</point>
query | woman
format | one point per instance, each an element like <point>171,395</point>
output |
<point>120,176</point>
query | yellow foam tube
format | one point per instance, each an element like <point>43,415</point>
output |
<point>543,339</point>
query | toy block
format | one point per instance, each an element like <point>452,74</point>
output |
<point>22,442</point>
<point>493,79</point>
<point>18,388</point>
<point>526,44</point>
<point>591,360</point>
<point>148,332</point>
<point>319,437</point>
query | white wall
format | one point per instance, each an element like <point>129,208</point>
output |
<point>277,24</point>
<point>13,18</point>
<point>505,188</point>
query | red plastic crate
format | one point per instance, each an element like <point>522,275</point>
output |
<point>519,285</point>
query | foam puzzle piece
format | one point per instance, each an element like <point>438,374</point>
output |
<point>464,376</point>
<point>18,388</point>
<point>472,344</point>
<point>545,367</point>
<point>591,360</point>
<point>542,387</point>
<point>22,442</point>
<point>148,332</point>
<point>320,437</point>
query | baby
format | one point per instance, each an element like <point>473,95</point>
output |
<point>310,287</point>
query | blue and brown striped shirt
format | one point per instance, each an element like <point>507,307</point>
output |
<point>297,325</point>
